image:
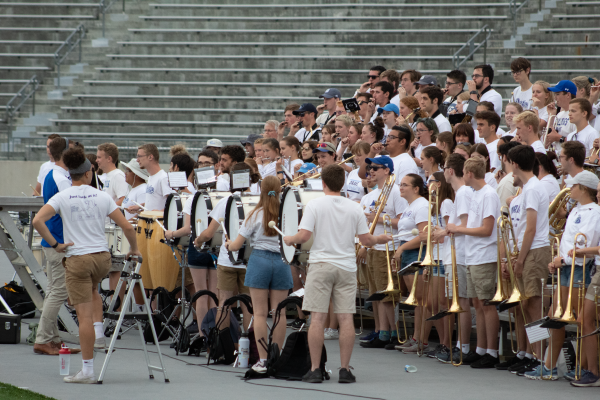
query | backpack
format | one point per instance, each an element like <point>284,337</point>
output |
<point>164,308</point>
<point>221,348</point>
<point>195,345</point>
<point>17,299</point>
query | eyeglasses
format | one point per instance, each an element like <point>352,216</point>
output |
<point>372,76</point>
<point>206,164</point>
<point>423,130</point>
<point>306,149</point>
<point>516,72</point>
<point>451,83</point>
<point>434,180</point>
<point>464,143</point>
<point>141,155</point>
<point>406,185</point>
<point>392,137</point>
<point>475,76</point>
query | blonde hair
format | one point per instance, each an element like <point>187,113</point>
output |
<point>585,83</point>
<point>177,149</point>
<point>528,118</point>
<point>464,96</point>
<point>476,166</point>
<point>259,141</point>
<point>545,85</point>
<point>346,120</point>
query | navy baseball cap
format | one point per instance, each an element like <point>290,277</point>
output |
<point>250,139</point>
<point>564,86</point>
<point>428,80</point>
<point>382,160</point>
<point>306,107</point>
<point>331,93</point>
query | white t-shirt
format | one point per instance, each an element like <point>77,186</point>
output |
<point>302,135</point>
<point>442,123</point>
<point>291,165</point>
<point>481,250</point>
<point>534,198</point>
<point>219,212</point>
<point>157,191</point>
<point>564,127</point>
<point>595,108</point>
<point>460,207</point>
<point>44,169</point>
<point>495,98</point>
<point>137,194</point>
<point>493,150</point>
<point>445,210</point>
<point>538,147</point>
<point>334,222</point>
<point>396,100</point>
<point>415,213</point>
<point>524,98</point>
<point>83,210</point>
<point>586,136</point>
<point>404,165</point>
<point>255,188</point>
<point>543,113</point>
<point>62,178</point>
<point>582,219</point>
<point>223,182</point>
<point>506,188</point>
<point>491,180</point>
<point>191,188</point>
<point>511,133</point>
<point>115,185</point>
<point>354,188</point>
<point>252,228</point>
<point>395,206</point>
<point>515,218</point>
<point>551,186</point>
<point>269,170</point>
<point>418,151</point>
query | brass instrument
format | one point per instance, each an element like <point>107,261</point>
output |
<point>547,130</point>
<point>455,308</point>
<point>499,297</point>
<point>557,224</point>
<point>340,163</point>
<point>298,180</point>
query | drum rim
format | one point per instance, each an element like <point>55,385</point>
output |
<point>241,216</point>
<point>167,210</point>
<point>209,207</point>
<point>279,222</point>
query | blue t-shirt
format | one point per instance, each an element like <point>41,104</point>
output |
<point>54,224</point>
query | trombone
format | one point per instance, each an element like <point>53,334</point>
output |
<point>455,308</point>
<point>298,180</point>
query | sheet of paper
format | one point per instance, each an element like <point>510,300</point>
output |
<point>535,333</point>
<point>241,180</point>
<point>315,184</point>
<point>177,180</point>
<point>204,176</point>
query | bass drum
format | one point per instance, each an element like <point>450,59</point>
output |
<point>213,198</point>
<point>173,217</point>
<point>292,205</point>
<point>238,207</point>
<point>201,207</point>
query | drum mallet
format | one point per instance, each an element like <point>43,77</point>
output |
<point>223,226</point>
<point>273,225</point>
<point>414,232</point>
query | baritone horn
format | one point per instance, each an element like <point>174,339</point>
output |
<point>557,221</point>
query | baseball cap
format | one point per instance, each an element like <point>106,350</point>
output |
<point>324,147</point>
<point>331,93</point>
<point>306,167</point>
<point>306,107</point>
<point>585,178</point>
<point>214,143</point>
<point>389,107</point>
<point>428,80</point>
<point>382,160</point>
<point>134,167</point>
<point>564,86</point>
<point>250,139</point>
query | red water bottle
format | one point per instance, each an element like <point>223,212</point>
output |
<point>64,355</point>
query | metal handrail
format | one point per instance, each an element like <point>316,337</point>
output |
<point>74,39</point>
<point>16,102</point>
<point>513,8</point>
<point>456,57</point>
<point>103,8</point>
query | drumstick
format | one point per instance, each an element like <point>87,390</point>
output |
<point>34,191</point>
<point>198,221</point>
<point>223,226</point>
<point>139,205</point>
<point>414,232</point>
<point>273,225</point>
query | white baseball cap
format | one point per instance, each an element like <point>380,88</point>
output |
<point>214,143</point>
<point>585,178</point>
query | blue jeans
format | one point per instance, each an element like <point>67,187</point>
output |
<point>565,274</point>
<point>266,270</point>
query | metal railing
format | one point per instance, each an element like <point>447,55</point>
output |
<point>14,105</point>
<point>74,40</point>
<point>513,9</point>
<point>458,60</point>
<point>103,7</point>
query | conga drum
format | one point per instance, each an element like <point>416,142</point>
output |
<point>144,224</point>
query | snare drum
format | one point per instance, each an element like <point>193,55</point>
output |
<point>173,217</point>
<point>292,205</point>
<point>238,207</point>
<point>211,199</point>
<point>117,242</point>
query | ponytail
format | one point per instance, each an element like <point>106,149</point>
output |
<point>270,190</point>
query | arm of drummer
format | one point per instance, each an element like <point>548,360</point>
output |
<point>128,230</point>
<point>299,238</point>
<point>236,244</point>
<point>184,231</point>
<point>369,240</point>
<point>207,234</point>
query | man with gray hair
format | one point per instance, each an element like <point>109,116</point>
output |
<point>271,129</point>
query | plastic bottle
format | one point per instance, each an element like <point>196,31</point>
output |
<point>64,356</point>
<point>244,353</point>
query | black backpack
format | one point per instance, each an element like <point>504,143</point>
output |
<point>221,349</point>
<point>164,308</point>
<point>195,345</point>
<point>17,299</point>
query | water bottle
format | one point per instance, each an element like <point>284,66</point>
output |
<point>244,353</point>
<point>64,356</point>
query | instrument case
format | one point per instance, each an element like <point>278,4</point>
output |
<point>10,328</point>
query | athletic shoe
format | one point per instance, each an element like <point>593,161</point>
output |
<point>332,334</point>
<point>291,321</point>
<point>519,364</point>
<point>99,344</point>
<point>487,361</point>
<point>315,376</point>
<point>535,373</point>
<point>346,376</point>
<point>80,378</point>
<point>392,345</point>
<point>439,349</point>
<point>416,348</point>
<point>405,345</point>
<point>570,376</point>
<point>587,380</point>
<point>369,337</point>
<point>528,368</point>
<point>375,344</point>
<point>260,367</point>
<point>445,355</point>
<point>193,328</point>
<point>471,358</point>
<point>503,366</point>
<point>297,324</point>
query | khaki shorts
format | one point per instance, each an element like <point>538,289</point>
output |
<point>481,280</point>
<point>84,273</point>
<point>188,278</point>
<point>591,290</point>
<point>325,281</point>
<point>377,263</point>
<point>535,268</point>
<point>462,280</point>
<point>231,279</point>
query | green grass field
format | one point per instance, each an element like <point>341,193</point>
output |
<point>10,392</point>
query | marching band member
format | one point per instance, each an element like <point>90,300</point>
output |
<point>432,159</point>
<point>229,156</point>
<point>380,168</point>
<point>522,94</point>
<point>398,145</point>
<point>45,167</point>
<point>356,187</point>
<point>158,188</point>
<point>505,188</point>
<point>488,123</point>
<point>542,97</point>
<point>135,177</point>
<point>510,112</point>
<point>480,151</point>
<point>572,158</point>
<point>267,276</point>
<point>580,111</point>
<point>426,132</point>
<point>548,174</point>
<point>271,152</point>
<point>564,91</point>
<point>290,151</point>
<point>332,267</point>
<point>527,124</point>
<point>481,257</point>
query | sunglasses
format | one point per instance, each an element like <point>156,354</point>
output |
<point>464,143</point>
<point>322,145</point>
<point>361,102</point>
<point>370,168</point>
<point>301,114</point>
<point>372,76</point>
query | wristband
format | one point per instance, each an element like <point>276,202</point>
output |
<point>561,140</point>
<point>55,245</point>
<point>474,92</point>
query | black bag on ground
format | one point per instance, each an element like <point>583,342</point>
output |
<point>164,308</point>
<point>221,348</point>
<point>17,299</point>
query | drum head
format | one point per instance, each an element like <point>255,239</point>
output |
<point>201,207</point>
<point>173,216</point>
<point>289,218</point>
<point>234,215</point>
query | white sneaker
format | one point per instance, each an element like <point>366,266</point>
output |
<point>332,334</point>
<point>100,344</point>
<point>80,378</point>
<point>260,367</point>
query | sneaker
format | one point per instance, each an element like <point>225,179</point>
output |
<point>406,344</point>
<point>297,324</point>
<point>440,348</point>
<point>290,322</point>
<point>587,380</point>
<point>193,328</point>
<point>332,334</point>
<point>444,352</point>
<point>391,345</point>
<point>260,367</point>
<point>487,361</point>
<point>471,358</point>
<point>80,378</point>
<point>537,371</point>
<point>369,337</point>
<point>445,355</point>
<point>505,365</point>
<point>519,364</point>
<point>375,344</point>
<point>315,376</point>
<point>99,344</point>
<point>528,368</point>
<point>346,376</point>
<point>415,348</point>
<point>570,376</point>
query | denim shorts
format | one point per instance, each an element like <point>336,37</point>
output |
<point>409,256</point>
<point>442,270</point>
<point>266,270</point>
<point>565,274</point>
<point>201,259</point>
